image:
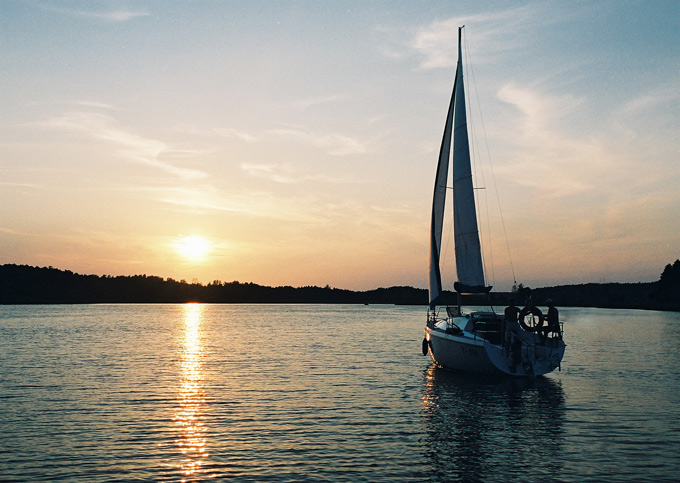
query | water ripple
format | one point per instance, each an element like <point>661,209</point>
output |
<point>309,393</point>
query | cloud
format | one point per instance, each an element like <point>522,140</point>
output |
<point>22,185</point>
<point>236,133</point>
<point>596,194</point>
<point>495,33</point>
<point>549,159</point>
<point>643,103</point>
<point>222,132</point>
<point>268,171</point>
<point>287,175</point>
<point>95,105</point>
<point>131,146</point>
<point>13,232</point>
<point>554,153</point>
<point>264,204</point>
<point>656,101</point>
<point>540,110</point>
<point>205,199</point>
<point>333,144</point>
<point>307,103</point>
<point>113,16</point>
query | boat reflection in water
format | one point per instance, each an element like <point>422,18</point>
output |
<point>189,416</point>
<point>491,428</point>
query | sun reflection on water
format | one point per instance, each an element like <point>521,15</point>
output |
<point>189,417</point>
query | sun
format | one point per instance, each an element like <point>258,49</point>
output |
<point>193,248</point>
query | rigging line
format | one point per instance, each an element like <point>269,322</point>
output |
<point>493,176</point>
<point>475,150</point>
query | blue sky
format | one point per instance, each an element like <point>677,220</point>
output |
<point>296,142</point>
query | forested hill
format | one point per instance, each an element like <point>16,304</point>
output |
<point>22,284</point>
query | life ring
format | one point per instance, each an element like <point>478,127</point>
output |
<point>534,311</point>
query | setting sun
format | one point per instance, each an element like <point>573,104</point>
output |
<point>193,248</point>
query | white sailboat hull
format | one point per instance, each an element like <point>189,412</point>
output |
<point>459,352</point>
<point>466,351</point>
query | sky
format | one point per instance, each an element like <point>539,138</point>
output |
<point>295,142</point>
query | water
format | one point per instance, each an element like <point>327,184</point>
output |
<point>106,393</point>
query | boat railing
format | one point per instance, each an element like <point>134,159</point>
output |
<point>432,317</point>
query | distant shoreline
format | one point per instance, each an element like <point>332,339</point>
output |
<point>26,285</point>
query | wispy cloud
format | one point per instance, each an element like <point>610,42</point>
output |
<point>549,152</point>
<point>539,109</point>
<point>95,105</point>
<point>651,101</point>
<point>305,209</point>
<point>334,144</point>
<point>284,173</point>
<point>11,231</point>
<point>113,16</point>
<point>495,33</point>
<point>270,171</point>
<point>221,132</point>
<point>22,185</point>
<point>131,146</point>
<point>317,101</point>
<point>436,42</point>
<point>236,133</point>
<point>554,163</point>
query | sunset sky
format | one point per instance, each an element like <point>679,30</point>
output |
<point>295,142</point>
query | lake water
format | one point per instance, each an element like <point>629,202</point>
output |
<point>296,393</point>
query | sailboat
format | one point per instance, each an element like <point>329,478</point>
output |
<point>483,342</point>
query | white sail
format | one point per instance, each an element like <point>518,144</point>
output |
<point>469,267</point>
<point>438,204</point>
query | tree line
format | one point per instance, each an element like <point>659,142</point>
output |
<point>23,284</point>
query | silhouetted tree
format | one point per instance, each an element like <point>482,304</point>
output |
<point>671,274</point>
